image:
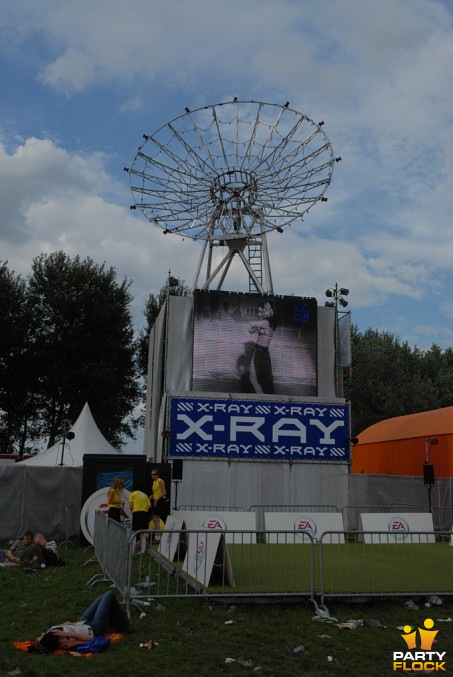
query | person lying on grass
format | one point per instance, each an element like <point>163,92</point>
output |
<point>102,615</point>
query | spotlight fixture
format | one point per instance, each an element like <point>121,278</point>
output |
<point>337,293</point>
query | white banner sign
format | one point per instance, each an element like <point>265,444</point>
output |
<point>314,524</point>
<point>398,527</point>
<point>221,521</point>
<point>204,548</point>
<point>170,537</point>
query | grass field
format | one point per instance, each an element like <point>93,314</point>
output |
<point>196,637</point>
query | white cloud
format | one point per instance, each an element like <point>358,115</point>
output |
<point>378,71</point>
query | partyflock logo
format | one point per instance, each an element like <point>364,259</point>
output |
<point>422,658</point>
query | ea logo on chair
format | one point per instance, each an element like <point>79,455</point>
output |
<point>417,659</point>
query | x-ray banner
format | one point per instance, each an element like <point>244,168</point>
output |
<point>245,429</point>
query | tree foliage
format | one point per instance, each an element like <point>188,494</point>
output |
<point>389,378</point>
<point>17,372</point>
<point>79,347</point>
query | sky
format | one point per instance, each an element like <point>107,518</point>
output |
<point>81,82</point>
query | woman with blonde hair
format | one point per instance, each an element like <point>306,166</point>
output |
<point>114,499</point>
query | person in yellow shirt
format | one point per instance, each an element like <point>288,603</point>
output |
<point>157,501</point>
<point>140,505</point>
<point>114,499</point>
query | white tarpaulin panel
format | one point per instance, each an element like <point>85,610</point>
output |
<point>40,499</point>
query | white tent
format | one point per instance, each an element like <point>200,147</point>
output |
<point>87,439</point>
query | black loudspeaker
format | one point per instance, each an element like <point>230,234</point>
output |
<point>176,472</point>
<point>428,475</point>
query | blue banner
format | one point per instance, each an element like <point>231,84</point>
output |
<point>246,429</point>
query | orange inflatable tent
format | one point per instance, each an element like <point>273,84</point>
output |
<point>399,446</point>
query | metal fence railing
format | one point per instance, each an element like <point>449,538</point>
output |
<point>112,545</point>
<point>247,565</point>
<point>224,565</point>
<point>382,564</point>
<point>442,517</point>
<point>203,508</point>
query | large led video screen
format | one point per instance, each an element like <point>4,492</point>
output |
<point>248,343</point>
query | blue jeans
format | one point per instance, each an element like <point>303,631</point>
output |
<point>106,614</point>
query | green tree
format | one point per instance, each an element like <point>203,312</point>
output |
<point>83,344</point>
<point>437,366</point>
<point>387,379</point>
<point>18,427</point>
<point>173,287</point>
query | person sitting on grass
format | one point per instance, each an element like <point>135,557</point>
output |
<point>102,615</point>
<point>48,551</point>
<point>24,550</point>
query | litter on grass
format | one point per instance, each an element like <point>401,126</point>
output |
<point>324,617</point>
<point>299,649</point>
<point>351,625</point>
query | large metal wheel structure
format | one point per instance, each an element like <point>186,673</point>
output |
<point>229,173</point>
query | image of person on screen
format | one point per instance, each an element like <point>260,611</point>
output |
<point>263,327</point>
<point>243,366</point>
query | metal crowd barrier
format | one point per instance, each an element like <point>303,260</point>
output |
<point>243,565</point>
<point>221,508</point>
<point>111,541</point>
<point>442,517</point>
<point>224,565</point>
<point>381,564</point>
